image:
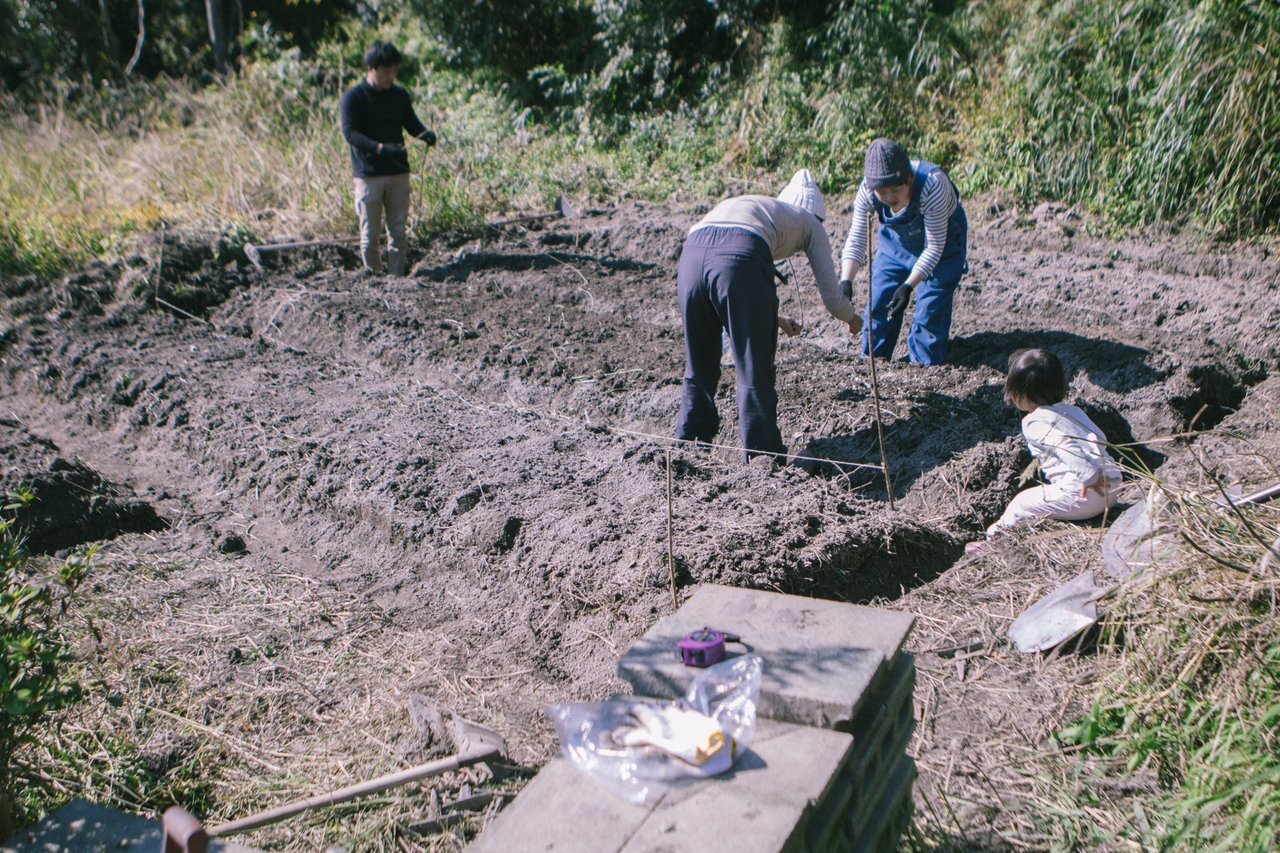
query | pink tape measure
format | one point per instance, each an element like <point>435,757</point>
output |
<point>704,647</point>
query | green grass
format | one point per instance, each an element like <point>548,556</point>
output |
<point>1150,111</point>
<point>1193,692</point>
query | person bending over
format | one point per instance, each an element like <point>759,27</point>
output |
<point>375,114</point>
<point>726,281</point>
<point>923,246</point>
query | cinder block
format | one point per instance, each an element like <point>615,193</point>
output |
<point>761,806</point>
<point>827,769</point>
<point>882,728</point>
<point>892,689</point>
<point>826,824</point>
<point>877,827</point>
<point>819,656</point>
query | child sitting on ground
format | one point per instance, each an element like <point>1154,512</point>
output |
<point>1083,479</point>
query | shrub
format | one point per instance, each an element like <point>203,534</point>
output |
<point>34,648</point>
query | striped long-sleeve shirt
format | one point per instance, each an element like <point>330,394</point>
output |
<point>938,200</point>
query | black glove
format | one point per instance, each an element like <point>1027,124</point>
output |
<point>428,138</point>
<point>391,148</point>
<point>846,287</point>
<point>901,297</point>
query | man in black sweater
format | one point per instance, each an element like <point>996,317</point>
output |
<point>375,113</point>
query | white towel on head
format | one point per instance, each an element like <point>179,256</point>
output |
<point>803,193</point>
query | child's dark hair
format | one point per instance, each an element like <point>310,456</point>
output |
<point>1035,376</point>
<point>381,54</point>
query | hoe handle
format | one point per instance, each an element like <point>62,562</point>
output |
<point>359,789</point>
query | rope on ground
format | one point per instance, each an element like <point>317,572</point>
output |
<point>712,446</point>
<point>839,464</point>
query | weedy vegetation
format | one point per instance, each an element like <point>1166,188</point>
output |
<point>1192,687</point>
<point>36,650</point>
<point>1142,112</point>
<point>295,690</point>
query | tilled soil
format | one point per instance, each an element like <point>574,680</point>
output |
<point>480,447</point>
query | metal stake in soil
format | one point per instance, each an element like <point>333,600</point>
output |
<point>875,382</point>
<point>160,264</point>
<point>671,551</point>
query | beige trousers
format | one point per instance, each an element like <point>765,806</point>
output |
<point>380,199</point>
<point>1050,501</point>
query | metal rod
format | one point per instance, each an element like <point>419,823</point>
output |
<point>671,550</point>
<point>351,792</point>
<point>1262,496</point>
<point>254,253</point>
<point>875,382</point>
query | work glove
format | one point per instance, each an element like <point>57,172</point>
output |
<point>901,297</point>
<point>846,287</point>
<point>428,138</point>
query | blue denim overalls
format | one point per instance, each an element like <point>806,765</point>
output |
<point>901,244</point>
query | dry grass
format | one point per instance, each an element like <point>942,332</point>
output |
<point>1137,738</point>
<point>986,714</point>
<point>293,689</point>
<point>262,159</point>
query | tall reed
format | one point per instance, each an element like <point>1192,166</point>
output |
<point>1147,111</point>
<point>1193,693</point>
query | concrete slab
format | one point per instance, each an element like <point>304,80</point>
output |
<point>819,656</point>
<point>84,827</point>
<point>760,806</point>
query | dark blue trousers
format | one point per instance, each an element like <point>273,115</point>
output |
<point>725,281</point>
<point>930,329</point>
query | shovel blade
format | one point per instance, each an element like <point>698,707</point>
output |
<point>564,208</point>
<point>469,736</point>
<point>1059,616</point>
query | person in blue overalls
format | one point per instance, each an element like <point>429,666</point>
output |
<point>923,246</point>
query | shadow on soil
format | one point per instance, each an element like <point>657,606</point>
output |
<point>1114,366</point>
<point>859,573</point>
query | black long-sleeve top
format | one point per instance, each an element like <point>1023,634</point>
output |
<point>371,116</point>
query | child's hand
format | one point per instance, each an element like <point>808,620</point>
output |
<point>789,326</point>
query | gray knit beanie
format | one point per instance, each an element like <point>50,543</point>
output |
<point>887,164</point>
<point>803,193</point>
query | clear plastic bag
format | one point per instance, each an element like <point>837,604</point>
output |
<point>640,748</point>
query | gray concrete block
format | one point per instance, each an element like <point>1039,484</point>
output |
<point>761,806</point>
<point>880,822</point>
<point>890,691</point>
<point>819,656</point>
<point>826,825</point>
<point>561,810</point>
<point>84,827</point>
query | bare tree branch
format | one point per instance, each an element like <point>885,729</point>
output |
<point>142,34</point>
